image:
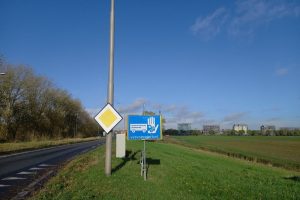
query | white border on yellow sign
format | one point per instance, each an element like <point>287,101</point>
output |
<point>108,107</point>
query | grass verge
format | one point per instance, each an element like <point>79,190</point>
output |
<point>13,147</point>
<point>277,151</point>
<point>175,172</point>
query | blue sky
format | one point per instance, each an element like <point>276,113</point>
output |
<point>202,62</point>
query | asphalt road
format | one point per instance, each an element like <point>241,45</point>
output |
<point>20,169</point>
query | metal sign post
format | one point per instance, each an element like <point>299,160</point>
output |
<point>143,162</point>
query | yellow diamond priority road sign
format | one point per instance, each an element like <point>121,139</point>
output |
<point>108,118</point>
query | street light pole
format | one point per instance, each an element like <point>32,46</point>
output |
<point>110,94</point>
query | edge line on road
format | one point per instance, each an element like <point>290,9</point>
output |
<point>37,150</point>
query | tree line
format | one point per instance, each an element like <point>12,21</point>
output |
<point>31,107</point>
<point>283,132</point>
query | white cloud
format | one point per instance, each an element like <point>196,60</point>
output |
<point>235,117</point>
<point>175,114</point>
<point>134,107</point>
<point>271,109</point>
<point>183,114</point>
<point>252,14</point>
<point>281,72</point>
<point>209,26</point>
<point>246,17</point>
<point>273,120</point>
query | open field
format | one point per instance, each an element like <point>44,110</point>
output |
<point>175,172</point>
<point>6,148</point>
<point>279,151</point>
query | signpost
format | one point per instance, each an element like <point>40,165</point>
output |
<point>108,118</point>
<point>142,127</point>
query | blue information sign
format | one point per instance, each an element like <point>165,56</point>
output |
<point>142,127</point>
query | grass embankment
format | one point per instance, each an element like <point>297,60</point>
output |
<point>279,151</point>
<point>13,147</point>
<point>175,172</point>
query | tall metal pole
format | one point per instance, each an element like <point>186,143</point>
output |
<point>110,94</point>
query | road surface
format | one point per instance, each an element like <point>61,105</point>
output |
<point>19,170</point>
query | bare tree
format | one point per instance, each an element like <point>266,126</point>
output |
<point>31,107</point>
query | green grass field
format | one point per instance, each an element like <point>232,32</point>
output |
<point>13,147</point>
<point>175,172</point>
<point>279,151</point>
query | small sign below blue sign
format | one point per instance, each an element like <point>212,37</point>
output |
<point>143,127</point>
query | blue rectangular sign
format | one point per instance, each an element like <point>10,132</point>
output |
<point>143,127</point>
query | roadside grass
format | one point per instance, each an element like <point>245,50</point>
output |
<point>175,172</point>
<point>274,150</point>
<point>13,147</point>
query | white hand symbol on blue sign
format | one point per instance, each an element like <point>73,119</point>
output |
<point>151,125</point>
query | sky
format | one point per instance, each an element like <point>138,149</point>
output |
<point>200,62</point>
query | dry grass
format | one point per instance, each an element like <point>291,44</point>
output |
<point>6,148</point>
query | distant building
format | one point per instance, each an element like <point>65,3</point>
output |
<point>240,127</point>
<point>184,127</point>
<point>211,129</point>
<point>267,129</point>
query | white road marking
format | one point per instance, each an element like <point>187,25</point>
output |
<point>36,168</point>
<point>25,173</point>
<point>12,178</point>
<point>64,145</point>
<point>46,165</point>
<point>30,188</point>
<point>4,185</point>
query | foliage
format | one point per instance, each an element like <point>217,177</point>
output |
<point>150,113</point>
<point>31,107</point>
<point>171,132</point>
<point>285,132</point>
<point>253,132</point>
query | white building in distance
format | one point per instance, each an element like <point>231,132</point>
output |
<point>240,127</point>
